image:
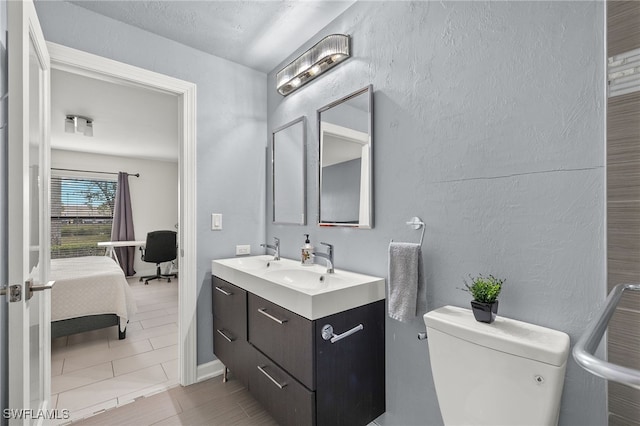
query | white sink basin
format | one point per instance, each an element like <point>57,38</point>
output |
<point>305,278</point>
<point>306,290</point>
<point>253,263</point>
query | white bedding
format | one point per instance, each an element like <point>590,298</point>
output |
<point>90,285</point>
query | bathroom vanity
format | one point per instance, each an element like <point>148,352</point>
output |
<point>308,345</point>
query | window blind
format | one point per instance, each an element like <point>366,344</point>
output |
<point>81,215</point>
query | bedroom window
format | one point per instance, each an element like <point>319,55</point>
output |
<point>81,215</point>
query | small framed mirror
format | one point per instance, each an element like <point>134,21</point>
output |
<point>345,193</point>
<point>288,166</point>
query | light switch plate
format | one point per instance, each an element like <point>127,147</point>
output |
<point>242,250</point>
<point>216,221</point>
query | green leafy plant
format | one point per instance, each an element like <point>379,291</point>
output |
<point>484,289</point>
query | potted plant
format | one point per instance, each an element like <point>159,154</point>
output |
<point>485,291</point>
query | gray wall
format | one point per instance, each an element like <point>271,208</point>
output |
<point>341,192</point>
<point>4,267</point>
<point>489,125</point>
<point>231,132</point>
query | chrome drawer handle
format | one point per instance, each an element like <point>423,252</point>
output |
<point>275,382</point>
<point>227,338</point>
<point>327,333</point>
<point>264,312</point>
<point>223,291</point>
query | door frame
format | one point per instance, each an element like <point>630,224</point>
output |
<point>89,65</point>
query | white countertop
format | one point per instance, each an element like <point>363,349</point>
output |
<point>306,290</point>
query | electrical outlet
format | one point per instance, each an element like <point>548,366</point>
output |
<point>243,250</point>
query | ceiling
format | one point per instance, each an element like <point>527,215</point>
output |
<point>128,121</point>
<point>134,122</point>
<point>258,34</point>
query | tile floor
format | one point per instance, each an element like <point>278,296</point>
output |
<point>206,403</point>
<point>95,371</point>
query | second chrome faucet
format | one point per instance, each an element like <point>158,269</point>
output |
<point>328,257</point>
<point>275,247</point>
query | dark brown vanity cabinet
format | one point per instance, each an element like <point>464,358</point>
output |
<point>293,369</point>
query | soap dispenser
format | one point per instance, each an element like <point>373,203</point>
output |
<point>306,257</point>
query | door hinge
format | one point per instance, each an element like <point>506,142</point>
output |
<point>15,292</point>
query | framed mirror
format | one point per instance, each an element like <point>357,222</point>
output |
<point>288,166</point>
<point>345,193</point>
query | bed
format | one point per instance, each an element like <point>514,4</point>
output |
<point>90,293</point>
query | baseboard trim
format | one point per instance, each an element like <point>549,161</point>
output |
<point>209,370</point>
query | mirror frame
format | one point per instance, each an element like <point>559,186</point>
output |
<point>302,120</point>
<point>367,89</point>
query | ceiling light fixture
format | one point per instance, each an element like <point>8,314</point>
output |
<point>78,123</point>
<point>88,129</point>
<point>69,125</point>
<point>324,55</point>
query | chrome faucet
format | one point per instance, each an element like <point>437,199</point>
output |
<point>275,248</point>
<point>328,257</point>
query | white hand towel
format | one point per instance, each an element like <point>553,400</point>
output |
<point>406,293</point>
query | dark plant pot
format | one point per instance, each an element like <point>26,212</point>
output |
<point>484,312</point>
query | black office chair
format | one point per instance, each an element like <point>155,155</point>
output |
<point>160,247</point>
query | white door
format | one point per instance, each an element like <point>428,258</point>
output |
<point>28,230</point>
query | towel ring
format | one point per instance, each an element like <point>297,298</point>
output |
<point>417,223</point>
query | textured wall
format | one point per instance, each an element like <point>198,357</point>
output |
<point>489,125</point>
<point>231,131</point>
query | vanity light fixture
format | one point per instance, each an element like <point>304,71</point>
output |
<point>324,55</point>
<point>78,123</point>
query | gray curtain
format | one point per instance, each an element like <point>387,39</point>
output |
<point>122,228</point>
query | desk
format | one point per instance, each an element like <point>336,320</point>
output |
<point>110,245</point>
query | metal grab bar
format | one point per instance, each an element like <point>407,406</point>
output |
<point>583,351</point>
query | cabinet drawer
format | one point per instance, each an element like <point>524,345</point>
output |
<point>230,306</point>
<point>283,336</point>
<point>290,403</point>
<point>231,351</point>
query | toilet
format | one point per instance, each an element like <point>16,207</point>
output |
<point>505,373</point>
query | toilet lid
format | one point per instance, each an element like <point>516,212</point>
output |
<point>504,334</point>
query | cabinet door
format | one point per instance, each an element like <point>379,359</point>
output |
<point>289,402</point>
<point>283,336</point>
<point>350,378</point>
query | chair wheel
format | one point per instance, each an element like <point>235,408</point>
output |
<point>168,280</point>
<point>146,283</point>
<point>140,279</point>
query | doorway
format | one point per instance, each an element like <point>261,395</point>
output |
<point>106,70</point>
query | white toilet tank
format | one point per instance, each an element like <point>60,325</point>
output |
<point>505,373</point>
